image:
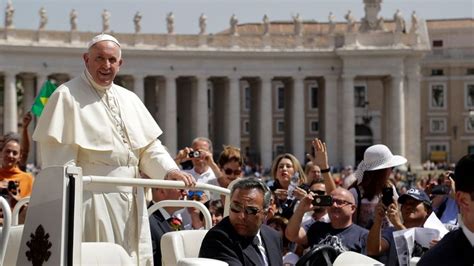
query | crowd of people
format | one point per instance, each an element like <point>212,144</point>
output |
<point>276,216</point>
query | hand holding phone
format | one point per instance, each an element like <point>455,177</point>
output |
<point>387,196</point>
<point>322,200</point>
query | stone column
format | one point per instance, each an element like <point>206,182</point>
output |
<point>297,119</point>
<point>413,141</point>
<point>233,116</point>
<point>201,114</point>
<point>265,139</point>
<point>40,79</point>
<point>10,112</point>
<point>170,125</point>
<point>139,87</point>
<point>329,120</point>
<point>29,96</point>
<point>348,121</point>
<point>397,116</point>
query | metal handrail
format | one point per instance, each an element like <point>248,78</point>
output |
<point>7,217</point>
<point>141,182</point>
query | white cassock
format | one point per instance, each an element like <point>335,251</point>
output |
<point>107,132</point>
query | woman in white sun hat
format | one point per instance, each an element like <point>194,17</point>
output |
<point>372,176</point>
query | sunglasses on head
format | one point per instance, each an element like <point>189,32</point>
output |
<point>229,171</point>
<point>195,194</point>
<point>249,210</point>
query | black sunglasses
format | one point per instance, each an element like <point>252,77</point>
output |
<point>249,210</point>
<point>229,171</point>
<point>318,192</point>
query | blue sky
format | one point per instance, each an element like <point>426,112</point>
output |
<point>218,12</point>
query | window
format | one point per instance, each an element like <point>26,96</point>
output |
<point>469,95</point>
<point>280,127</point>
<point>437,43</point>
<point>470,149</point>
<point>438,151</point>
<point>437,72</point>
<point>246,127</point>
<point>247,97</point>
<point>279,149</point>
<point>437,96</point>
<point>280,97</point>
<point>313,96</point>
<point>360,96</point>
<point>438,125</point>
<point>470,124</point>
<point>470,71</point>
<point>314,126</point>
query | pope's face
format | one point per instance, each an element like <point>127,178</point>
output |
<point>103,62</point>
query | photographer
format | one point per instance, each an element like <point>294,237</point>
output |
<point>14,183</point>
<point>340,233</point>
<point>200,153</point>
<point>415,209</point>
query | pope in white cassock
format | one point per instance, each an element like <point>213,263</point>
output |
<point>105,129</point>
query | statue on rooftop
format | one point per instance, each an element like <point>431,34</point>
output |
<point>298,22</point>
<point>136,21</point>
<point>414,23</point>
<point>43,18</point>
<point>9,11</point>
<point>266,25</point>
<point>371,21</point>
<point>233,25</point>
<point>73,19</point>
<point>106,20</point>
<point>170,23</point>
<point>399,21</point>
<point>350,21</point>
<point>332,24</point>
<point>202,24</point>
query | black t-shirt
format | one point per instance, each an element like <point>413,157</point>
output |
<point>352,238</point>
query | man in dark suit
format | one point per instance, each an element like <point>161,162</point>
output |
<point>159,220</point>
<point>457,247</point>
<point>242,238</point>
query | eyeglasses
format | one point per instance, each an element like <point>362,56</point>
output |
<point>195,194</point>
<point>229,171</point>
<point>318,192</point>
<point>249,210</point>
<point>341,203</point>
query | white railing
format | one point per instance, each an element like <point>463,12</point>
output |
<point>17,208</point>
<point>139,182</point>
<point>5,233</point>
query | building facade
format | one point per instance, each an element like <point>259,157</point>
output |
<point>272,87</point>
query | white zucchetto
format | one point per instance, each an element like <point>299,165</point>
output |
<point>102,37</point>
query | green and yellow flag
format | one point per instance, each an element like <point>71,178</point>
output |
<point>46,90</point>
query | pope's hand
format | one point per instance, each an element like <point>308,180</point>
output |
<point>178,175</point>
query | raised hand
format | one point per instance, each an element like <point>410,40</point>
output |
<point>320,157</point>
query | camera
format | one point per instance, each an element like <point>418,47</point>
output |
<point>322,200</point>
<point>194,154</point>
<point>387,196</point>
<point>12,186</point>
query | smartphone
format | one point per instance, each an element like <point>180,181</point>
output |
<point>387,196</point>
<point>322,200</point>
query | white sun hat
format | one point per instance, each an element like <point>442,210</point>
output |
<point>102,37</point>
<point>377,157</point>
